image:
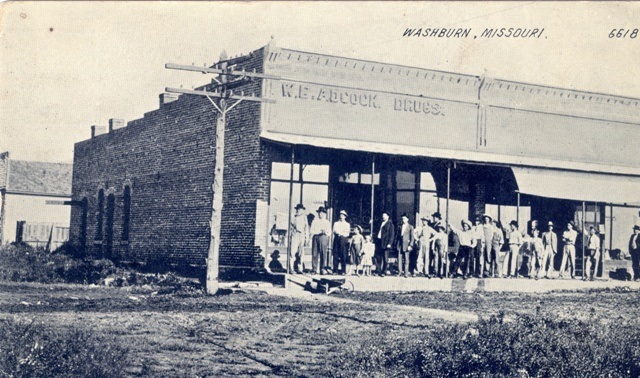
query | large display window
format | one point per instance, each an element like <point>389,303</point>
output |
<point>310,187</point>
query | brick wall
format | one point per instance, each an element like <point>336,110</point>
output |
<point>246,179</point>
<point>167,158</point>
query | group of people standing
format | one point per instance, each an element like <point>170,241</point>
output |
<point>429,250</point>
<point>352,251</point>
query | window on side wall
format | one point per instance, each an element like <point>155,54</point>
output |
<point>99,215</point>
<point>126,212</point>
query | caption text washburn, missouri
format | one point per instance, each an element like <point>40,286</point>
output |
<point>508,32</point>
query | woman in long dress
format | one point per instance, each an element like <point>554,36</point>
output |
<point>355,250</point>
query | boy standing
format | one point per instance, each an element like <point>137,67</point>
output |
<point>550,244</point>
<point>569,251</point>
<point>509,265</point>
<point>593,257</point>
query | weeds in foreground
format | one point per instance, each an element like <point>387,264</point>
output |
<point>527,346</point>
<point>22,263</point>
<point>34,350</point>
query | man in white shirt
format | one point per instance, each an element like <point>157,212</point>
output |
<point>467,243</point>
<point>477,259</point>
<point>320,230</point>
<point>423,235</point>
<point>593,254</point>
<point>511,262</point>
<point>550,245</point>
<point>341,232</point>
<point>569,251</point>
<point>299,238</point>
<point>488,230</point>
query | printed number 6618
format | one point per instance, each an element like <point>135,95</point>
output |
<point>623,33</point>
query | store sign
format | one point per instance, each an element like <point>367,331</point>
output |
<point>320,110</point>
<point>359,98</point>
<point>338,99</point>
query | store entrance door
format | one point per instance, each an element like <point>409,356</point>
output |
<point>355,199</point>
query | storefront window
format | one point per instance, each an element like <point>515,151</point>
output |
<point>359,178</point>
<point>619,223</point>
<point>405,180</point>
<point>506,214</point>
<point>458,210</point>
<point>427,182</point>
<point>365,178</point>
<point>312,191</point>
<point>429,203</point>
<point>279,211</point>
<point>314,196</point>
<point>405,204</point>
<point>349,178</point>
<point>282,171</point>
<point>315,173</point>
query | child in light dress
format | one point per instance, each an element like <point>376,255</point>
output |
<point>536,258</point>
<point>368,249</point>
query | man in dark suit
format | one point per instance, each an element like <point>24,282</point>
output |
<point>405,245</point>
<point>386,236</point>
<point>634,251</point>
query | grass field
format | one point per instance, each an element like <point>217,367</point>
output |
<point>250,333</point>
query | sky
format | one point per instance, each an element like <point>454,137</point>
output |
<point>65,66</point>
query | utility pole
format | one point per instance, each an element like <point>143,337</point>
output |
<point>223,101</point>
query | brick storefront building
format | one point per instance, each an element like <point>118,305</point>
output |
<point>357,135</point>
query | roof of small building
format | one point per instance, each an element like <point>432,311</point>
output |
<point>35,177</point>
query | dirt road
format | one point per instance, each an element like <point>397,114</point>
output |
<point>252,333</point>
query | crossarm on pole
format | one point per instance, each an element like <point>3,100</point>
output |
<point>218,71</point>
<point>218,95</point>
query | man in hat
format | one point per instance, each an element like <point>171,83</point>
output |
<point>320,230</point>
<point>386,237</point>
<point>510,263</point>
<point>634,251</point>
<point>405,245</point>
<point>467,244</point>
<point>488,230</point>
<point>341,231</point>
<point>299,238</point>
<point>477,256</point>
<point>550,248</point>
<point>423,234</point>
<point>593,255</point>
<point>497,241</point>
<point>436,220</point>
<point>440,249</point>
<point>569,251</point>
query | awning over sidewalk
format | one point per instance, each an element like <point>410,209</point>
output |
<point>578,186</point>
<point>618,185</point>
<point>463,156</point>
